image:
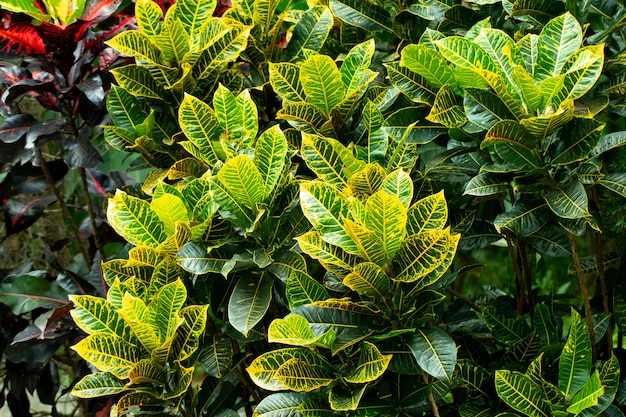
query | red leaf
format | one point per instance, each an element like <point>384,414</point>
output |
<point>20,37</point>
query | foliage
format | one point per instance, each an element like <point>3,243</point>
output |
<point>325,176</point>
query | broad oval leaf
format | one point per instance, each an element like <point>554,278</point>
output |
<point>569,201</point>
<point>368,279</point>
<point>321,81</point>
<point>250,300</point>
<point>421,254</point>
<point>109,353</point>
<point>431,65</point>
<point>588,394</point>
<point>558,40</point>
<point>429,213</point>
<point>435,351</point>
<point>367,16</point>
<point>97,315</point>
<point>269,157</point>
<point>303,289</point>
<point>486,184</point>
<point>285,80</point>
<point>294,330</point>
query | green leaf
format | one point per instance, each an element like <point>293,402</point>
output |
<point>310,33</point>
<point>329,159</point>
<point>31,291</point>
<point>303,116</point>
<point>171,209</point>
<point>283,404</point>
<point>505,330</point>
<point>429,64</point>
<point>399,184</point>
<point>294,330</point>
<point>97,315</point>
<point>321,81</point>
<point>429,9</point>
<point>588,394</point>
<point>583,135</point>
<point>371,365</point>
<point>583,69</point>
<point>216,356</point>
<point>513,143</point>
<point>264,368</point>
<point>367,181</point>
<point>346,398</point>
<point>199,124</point>
<point>608,142</point>
<point>523,219</point>
<point>134,220</point>
<point>354,69</point>
<point>404,126</point>
<point>411,84</point>
<point>136,44</point>
<point>544,324</point>
<point>575,362</point>
<point>543,125</point>
<point>350,321</point>
<point>148,15</point>
<point>186,340</point>
<point>609,377</point>
<point>385,216</point>
<point>447,109</point>
<point>193,14</point>
<point>568,202</point>
<point>551,240</point>
<point>238,187</point>
<point>465,54</point>
<point>98,384</point>
<point>367,16</point>
<point>435,351</point>
<point>329,255</point>
<point>326,209</point>
<point>421,254</point>
<point>125,110</point>
<point>303,376</point>
<point>369,280</point>
<point>221,50</point>
<point>429,213</point>
<point>485,108</point>
<point>109,353</point>
<point>269,157</point>
<point>558,40</point>
<point>486,184</point>
<point>285,80</point>
<point>521,393</point>
<point>303,289</point>
<point>250,300</point>
<point>229,115</point>
<point>138,81</point>
<point>615,182</point>
<point>502,50</point>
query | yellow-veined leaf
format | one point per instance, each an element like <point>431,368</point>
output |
<point>138,81</point>
<point>294,330</point>
<point>109,353</point>
<point>329,255</point>
<point>321,81</point>
<point>250,300</point>
<point>98,384</point>
<point>97,315</point>
<point>193,14</point>
<point>429,213</point>
<point>148,15</point>
<point>521,393</point>
<point>368,279</point>
<point>303,289</point>
<point>285,80</point>
<point>558,40</point>
<point>429,64</point>
<point>134,220</point>
<point>269,157</point>
<point>303,376</point>
<point>371,365</point>
<point>420,254</point>
<point>434,350</point>
<point>171,209</point>
<point>199,124</point>
<point>165,308</point>
<point>309,33</point>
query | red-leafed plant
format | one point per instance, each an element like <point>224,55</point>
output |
<point>53,85</point>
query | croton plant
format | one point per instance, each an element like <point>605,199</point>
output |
<point>328,178</point>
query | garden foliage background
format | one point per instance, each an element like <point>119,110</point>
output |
<point>303,209</point>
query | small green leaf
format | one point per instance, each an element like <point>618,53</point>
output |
<point>303,289</point>
<point>486,184</point>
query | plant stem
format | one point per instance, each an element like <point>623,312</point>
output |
<point>602,277</point>
<point>523,258</point>
<point>431,399</point>
<point>582,282</point>
<point>92,215</point>
<point>466,300</point>
<point>66,212</point>
<point>519,280</point>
